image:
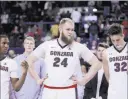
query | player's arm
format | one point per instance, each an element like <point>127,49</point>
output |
<point>95,66</point>
<point>105,65</point>
<point>18,83</point>
<point>89,57</point>
<point>39,52</point>
<point>31,60</point>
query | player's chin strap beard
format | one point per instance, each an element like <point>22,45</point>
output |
<point>64,39</point>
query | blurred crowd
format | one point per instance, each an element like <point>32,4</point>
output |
<point>39,19</point>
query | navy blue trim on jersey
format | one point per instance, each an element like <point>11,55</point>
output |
<point>61,45</point>
<point>121,49</point>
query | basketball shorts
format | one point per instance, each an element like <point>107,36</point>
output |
<point>69,92</point>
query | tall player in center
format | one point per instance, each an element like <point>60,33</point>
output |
<point>61,58</point>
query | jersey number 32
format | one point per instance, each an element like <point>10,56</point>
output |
<point>120,67</point>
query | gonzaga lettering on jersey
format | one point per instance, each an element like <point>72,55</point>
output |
<point>61,61</point>
<point>118,62</point>
<point>8,68</point>
<point>4,68</point>
<point>58,53</point>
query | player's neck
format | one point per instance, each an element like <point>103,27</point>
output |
<point>2,56</point>
<point>123,45</point>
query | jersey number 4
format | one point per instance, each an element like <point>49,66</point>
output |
<point>120,67</point>
<point>58,61</point>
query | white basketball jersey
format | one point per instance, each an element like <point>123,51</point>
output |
<point>118,63</point>
<point>8,68</point>
<point>61,62</point>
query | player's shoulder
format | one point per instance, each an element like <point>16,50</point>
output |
<point>79,45</point>
<point>10,61</point>
<point>110,48</point>
<point>46,43</point>
<point>107,51</point>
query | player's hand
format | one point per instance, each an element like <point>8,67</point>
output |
<point>40,81</point>
<point>73,77</point>
<point>24,65</point>
<point>79,82</point>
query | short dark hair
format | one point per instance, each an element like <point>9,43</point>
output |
<point>3,36</point>
<point>115,29</point>
<point>104,45</point>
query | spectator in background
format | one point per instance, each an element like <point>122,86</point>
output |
<point>93,46</point>
<point>23,5</point>
<point>76,16</point>
<point>15,30</point>
<point>13,36</point>
<point>83,12</point>
<point>57,18</point>
<point>97,88</point>
<point>55,11</point>
<point>68,14</point>
<point>93,30</point>
<point>17,19</point>
<point>47,5</point>
<point>114,4</point>
<point>29,32</point>
<point>4,18</point>
<point>117,11</point>
<point>55,30</point>
<point>4,21</point>
<point>125,28</point>
<point>30,89</point>
<point>106,26</point>
<point>29,5</point>
<point>63,14</point>
<point>91,7</point>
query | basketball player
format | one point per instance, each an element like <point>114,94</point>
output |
<point>8,70</point>
<point>30,89</point>
<point>115,61</point>
<point>62,57</point>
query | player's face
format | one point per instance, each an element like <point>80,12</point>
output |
<point>99,52</point>
<point>4,45</point>
<point>117,41</point>
<point>67,32</point>
<point>29,45</point>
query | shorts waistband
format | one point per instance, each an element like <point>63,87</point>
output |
<point>51,87</point>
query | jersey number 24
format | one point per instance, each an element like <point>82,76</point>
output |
<point>58,61</point>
